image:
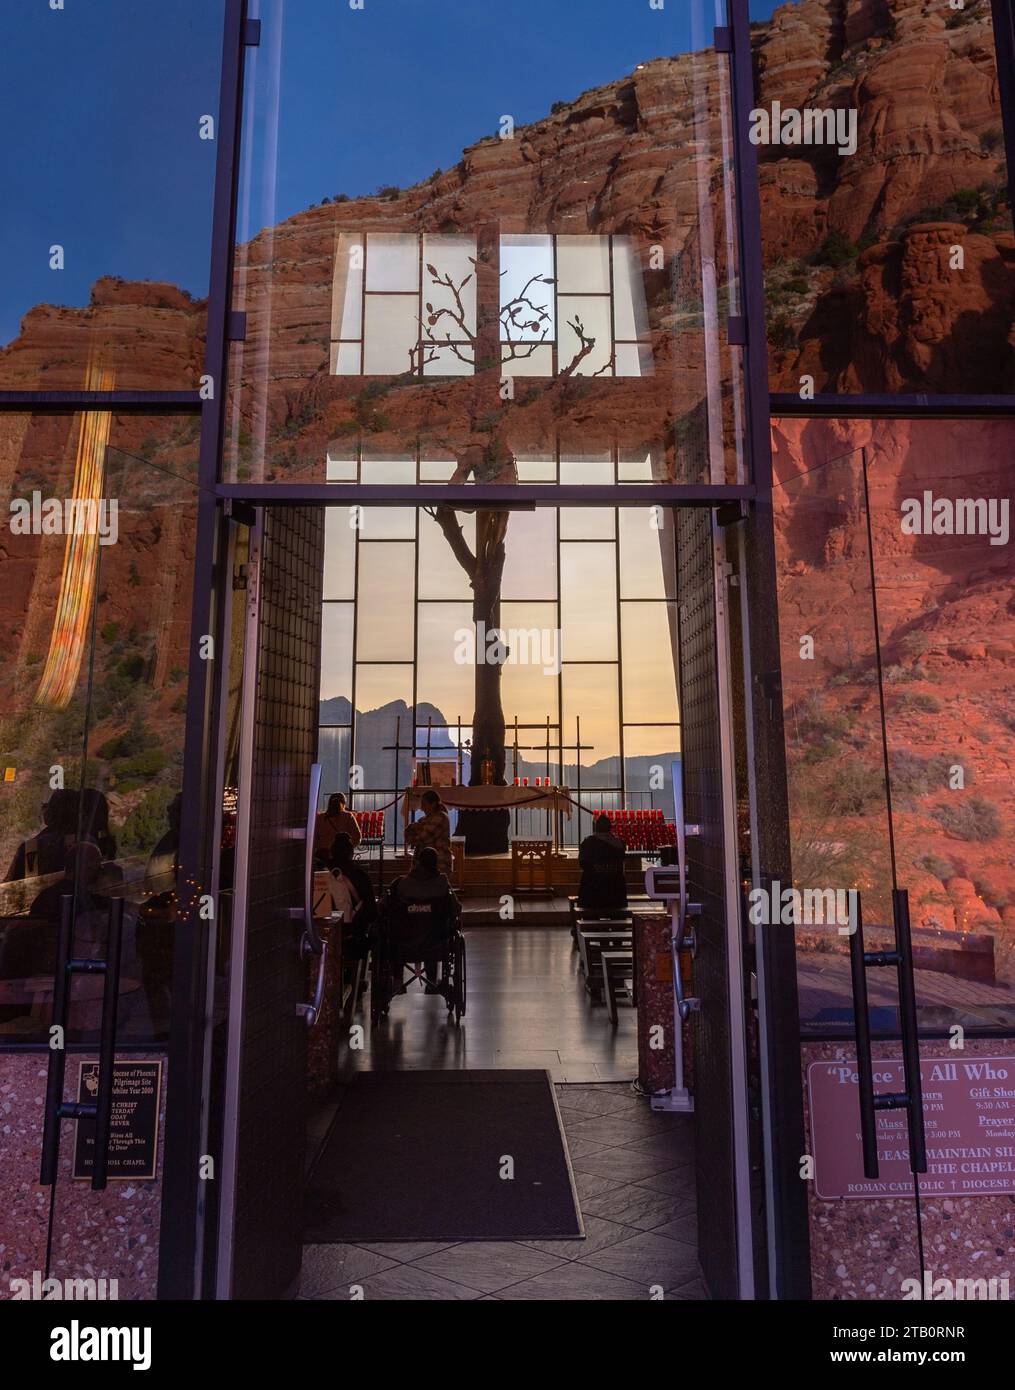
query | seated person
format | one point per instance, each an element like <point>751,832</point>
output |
<point>603,887</point>
<point>352,893</point>
<point>336,820</point>
<point>425,883</point>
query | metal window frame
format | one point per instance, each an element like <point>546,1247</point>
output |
<point>360,538</point>
<point>179,1273</point>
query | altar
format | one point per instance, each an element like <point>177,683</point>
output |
<point>493,798</point>
<point>490,797</point>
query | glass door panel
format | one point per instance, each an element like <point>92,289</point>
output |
<point>132,622</point>
<point>843,858</point>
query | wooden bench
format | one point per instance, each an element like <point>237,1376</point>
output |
<point>618,980</point>
<point>593,940</point>
<point>578,915</point>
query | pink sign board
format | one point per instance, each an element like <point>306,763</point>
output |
<point>969,1119</point>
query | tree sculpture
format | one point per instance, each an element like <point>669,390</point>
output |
<point>447,329</point>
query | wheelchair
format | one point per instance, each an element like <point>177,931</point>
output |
<point>409,932</point>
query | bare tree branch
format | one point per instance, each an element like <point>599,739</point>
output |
<point>447,520</point>
<point>586,346</point>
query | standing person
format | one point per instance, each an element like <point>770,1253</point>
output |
<point>603,887</point>
<point>433,829</point>
<point>336,820</point>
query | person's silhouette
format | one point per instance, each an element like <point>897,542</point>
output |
<point>46,852</point>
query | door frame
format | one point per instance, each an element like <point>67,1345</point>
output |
<point>217,1232</point>
<point>223,1248</point>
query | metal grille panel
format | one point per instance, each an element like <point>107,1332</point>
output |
<point>272,1090</point>
<point>704,805</point>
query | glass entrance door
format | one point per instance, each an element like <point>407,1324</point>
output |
<point>845,904</point>
<point>98,602</point>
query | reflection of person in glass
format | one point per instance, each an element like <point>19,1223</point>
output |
<point>82,873</point>
<point>28,948</point>
<point>95,828</point>
<point>46,852</point>
<point>82,880</point>
<point>157,917</point>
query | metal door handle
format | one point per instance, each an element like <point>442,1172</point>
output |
<point>57,1055</point>
<point>311,1012</point>
<point>910,1098</point>
<point>864,1061</point>
<point>685,1006</point>
<point>107,1046</point>
<point>910,1032</point>
<point>101,1109</point>
<point>305,914</point>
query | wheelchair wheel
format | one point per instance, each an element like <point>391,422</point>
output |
<point>459,978</point>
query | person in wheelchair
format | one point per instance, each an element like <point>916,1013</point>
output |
<point>424,883</point>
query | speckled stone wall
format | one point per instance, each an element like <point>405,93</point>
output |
<point>864,1249</point>
<point>100,1235</point>
<point>654,966</point>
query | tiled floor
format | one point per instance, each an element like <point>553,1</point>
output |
<point>634,1175</point>
<point>633,1168</point>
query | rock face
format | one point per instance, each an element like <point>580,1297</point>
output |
<point>865,289</point>
<point>150,336</point>
<point>888,270</point>
<point>639,158</point>
<point>946,619</point>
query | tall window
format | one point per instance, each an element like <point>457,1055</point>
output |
<point>567,305</point>
<point>404,303</point>
<point>589,689</point>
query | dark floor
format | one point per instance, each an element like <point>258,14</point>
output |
<point>633,1168</point>
<point>525,1007</point>
<point>634,1174</point>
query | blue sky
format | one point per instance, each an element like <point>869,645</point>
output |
<point>102,101</point>
<point>387,94</point>
<point>100,104</point>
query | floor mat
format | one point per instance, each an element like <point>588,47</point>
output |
<point>444,1155</point>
